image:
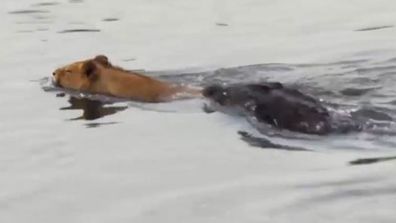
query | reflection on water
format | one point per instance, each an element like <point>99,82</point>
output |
<point>91,109</point>
<point>110,19</point>
<point>371,160</point>
<point>374,28</point>
<point>45,4</point>
<point>28,11</point>
<point>79,30</point>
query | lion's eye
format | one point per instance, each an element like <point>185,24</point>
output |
<point>68,71</point>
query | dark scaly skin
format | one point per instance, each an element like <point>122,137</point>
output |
<point>274,104</point>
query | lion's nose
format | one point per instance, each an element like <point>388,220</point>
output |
<point>53,73</point>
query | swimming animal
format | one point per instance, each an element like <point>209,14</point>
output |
<point>274,104</point>
<point>99,76</point>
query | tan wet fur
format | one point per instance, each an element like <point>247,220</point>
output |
<point>99,76</point>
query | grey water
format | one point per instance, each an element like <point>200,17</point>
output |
<point>74,157</point>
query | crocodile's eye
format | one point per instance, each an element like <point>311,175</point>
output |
<point>212,91</point>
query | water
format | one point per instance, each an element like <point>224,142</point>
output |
<point>71,157</point>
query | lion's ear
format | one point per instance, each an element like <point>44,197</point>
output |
<point>89,68</point>
<point>103,60</point>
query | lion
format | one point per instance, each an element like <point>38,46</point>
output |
<point>99,76</point>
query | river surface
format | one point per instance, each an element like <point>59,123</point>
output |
<point>72,157</point>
